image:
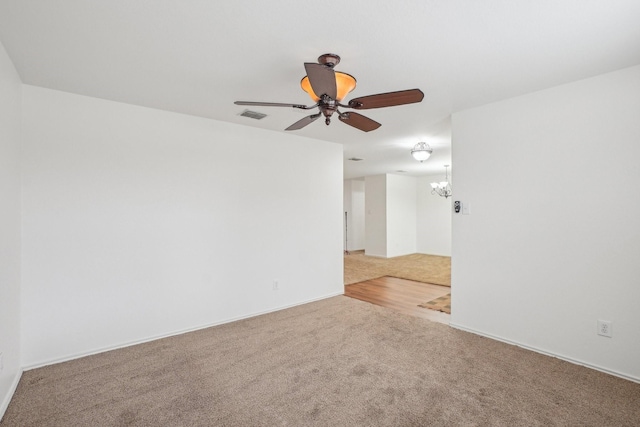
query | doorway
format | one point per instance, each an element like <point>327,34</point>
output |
<point>426,260</point>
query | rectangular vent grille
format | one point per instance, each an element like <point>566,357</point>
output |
<point>253,114</point>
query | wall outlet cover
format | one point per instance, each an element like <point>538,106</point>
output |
<point>605,328</point>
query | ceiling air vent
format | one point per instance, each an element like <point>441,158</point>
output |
<point>253,114</point>
<point>354,159</point>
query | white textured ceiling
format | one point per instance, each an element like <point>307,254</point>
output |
<point>197,57</point>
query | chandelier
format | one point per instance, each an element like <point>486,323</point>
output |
<point>421,151</point>
<point>442,188</point>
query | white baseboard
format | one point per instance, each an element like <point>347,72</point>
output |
<point>375,256</point>
<point>432,254</point>
<point>547,353</point>
<point>170,334</point>
<point>10,393</point>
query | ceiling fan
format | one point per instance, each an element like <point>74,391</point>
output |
<point>332,86</point>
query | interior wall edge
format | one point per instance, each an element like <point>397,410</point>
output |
<point>10,393</point>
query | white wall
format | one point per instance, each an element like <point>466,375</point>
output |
<point>553,239</point>
<point>376,215</point>
<point>10,100</point>
<point>357,229</point>
<point>346,210</point>
<point>390,218</point>
<point>139,223</point>
<point>401,215</point>
<point>354,205</point>
<point>433,228</point>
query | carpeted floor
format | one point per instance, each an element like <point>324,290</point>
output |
<point>359,267</point>
<point>336,362</point>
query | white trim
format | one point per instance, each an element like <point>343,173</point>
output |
<point>547,353</point>
<point>10,393</point>
<point>170,334</point>
<point>374,255</point>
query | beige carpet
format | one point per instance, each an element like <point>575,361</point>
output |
<point>336,362</point>
<point>359,267</point>
<point>442,303</point>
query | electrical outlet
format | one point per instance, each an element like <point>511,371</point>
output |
<point>605,328</point>
<point>275,285</point>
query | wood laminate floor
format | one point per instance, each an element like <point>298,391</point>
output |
<point>401,295</point>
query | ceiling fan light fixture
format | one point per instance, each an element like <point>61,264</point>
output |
<point>333,86</point>
<point>421,151</point>
<point>345,83</point>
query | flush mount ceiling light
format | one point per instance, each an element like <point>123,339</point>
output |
<point>421,151</point>
<point>442,188</point>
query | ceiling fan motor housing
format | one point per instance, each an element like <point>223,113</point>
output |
<point>329,59</point>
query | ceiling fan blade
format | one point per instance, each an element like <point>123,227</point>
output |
<point>269,104</point>
<point>387,99</point>
<point>322,79</point>
<point>303,122</point>
<point>359,121</point>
